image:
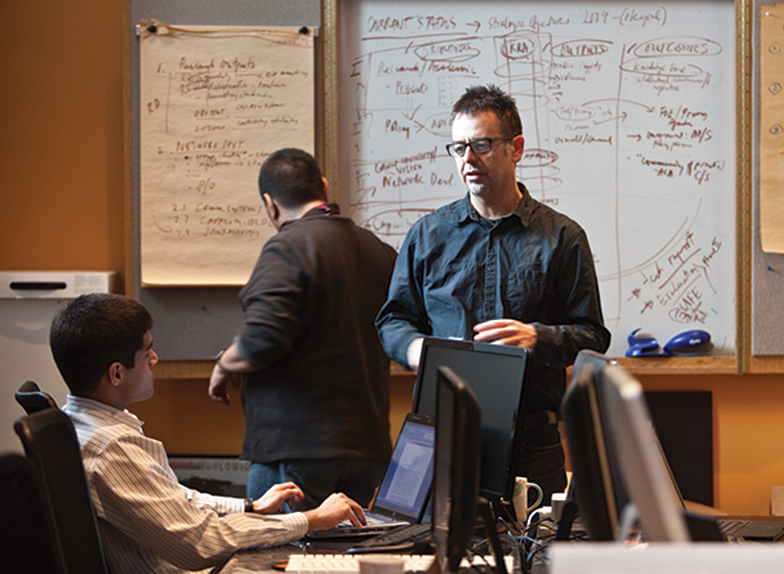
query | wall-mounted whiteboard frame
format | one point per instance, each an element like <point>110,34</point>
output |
<point>193,323</point>
<point>335,140</point>
<point>216,101</point>
<point>763,272</point>
<point>175,314</point>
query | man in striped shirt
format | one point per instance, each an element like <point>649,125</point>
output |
<point>149,522</point>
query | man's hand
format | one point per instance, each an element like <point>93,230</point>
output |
<point>335,509</point>
<point>506,332</point>
<point>219,382</point>
<point>272,501</point>
<point>413,352</point>
<point>230,368</point>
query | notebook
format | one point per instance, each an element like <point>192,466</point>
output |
<point>705,524</point>
<point>405,489</point>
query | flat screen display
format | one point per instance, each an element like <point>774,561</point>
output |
<point>456,473</point>
<point>496,375</point>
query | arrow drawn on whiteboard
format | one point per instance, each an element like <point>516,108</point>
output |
<point>622,116</point>
<point>475,24</point>
<point>648,109</point>
<point>410,115</point>
<point>419,126</point>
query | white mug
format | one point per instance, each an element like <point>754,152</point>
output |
<point>520,499</point>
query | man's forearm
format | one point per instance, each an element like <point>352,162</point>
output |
<point>230,361</point>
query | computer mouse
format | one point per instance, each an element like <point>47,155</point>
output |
<point>689,343</point>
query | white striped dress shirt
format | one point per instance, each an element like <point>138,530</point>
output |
<point>149,522</point>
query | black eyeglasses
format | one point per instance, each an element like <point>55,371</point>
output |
<point>479,145</point>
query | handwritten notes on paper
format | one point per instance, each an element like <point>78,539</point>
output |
<point>215,103</point>
<point>629,122</point>
<point>771,141</point>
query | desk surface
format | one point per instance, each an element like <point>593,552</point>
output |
<point>264,561</point>
<point>259,560</point>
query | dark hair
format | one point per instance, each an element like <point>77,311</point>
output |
<point>291,177</point>
<point>92,332</point>
<point>490,98</point>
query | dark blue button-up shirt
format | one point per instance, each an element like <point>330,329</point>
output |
<point>456,269</point>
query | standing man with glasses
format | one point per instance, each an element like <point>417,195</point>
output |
<point>498,266</point>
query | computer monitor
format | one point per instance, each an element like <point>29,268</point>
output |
<point>592,482</point>
<point>636,452</point>
<point>596,362</point>
<point>497,376</point>
<point>456,471</point>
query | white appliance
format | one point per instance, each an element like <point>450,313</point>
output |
<point>28,303</point>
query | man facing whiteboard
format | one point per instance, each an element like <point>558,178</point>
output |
<point>316,398</point>
<point>498,266</point>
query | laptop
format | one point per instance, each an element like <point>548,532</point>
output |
<point>403,495</point>
<point>705,523</point>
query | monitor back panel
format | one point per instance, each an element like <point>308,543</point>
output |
<point>497,376</point>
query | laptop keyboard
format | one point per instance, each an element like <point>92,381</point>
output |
<point>376,519</point>
<point>742,529</point>
<point>729,528</point>
<point>372,520</point>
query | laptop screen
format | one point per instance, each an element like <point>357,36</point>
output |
<point>403,493</point>
<point>496,374</point>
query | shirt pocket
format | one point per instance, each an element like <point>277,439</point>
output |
<point>527,294</point>
<point>449,285</point>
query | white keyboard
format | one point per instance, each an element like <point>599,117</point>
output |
<point>349,563</point>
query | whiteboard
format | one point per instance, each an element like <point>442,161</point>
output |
<point>215,101</point>
<point>192,322</point>
<point>628,113</point>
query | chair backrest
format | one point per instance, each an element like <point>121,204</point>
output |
<point>50,441</point>
<point>33,399</point>
<point>28,537</point>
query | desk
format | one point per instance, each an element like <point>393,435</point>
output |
<point>263,561</point>
<point>259,560</point>
<point>673,558</point>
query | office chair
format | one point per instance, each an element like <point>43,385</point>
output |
<point>33,399</point>
<point>50,441</point>
<point>28,537</point>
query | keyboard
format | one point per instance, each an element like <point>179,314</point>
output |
<point>372,520</point>
<point>349,563</point>
<point>376,519</point>
<point>744,529</point>
<point>396,537</point>
<point>375,524</point>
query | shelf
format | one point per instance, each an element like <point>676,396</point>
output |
<point>636,365</point>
